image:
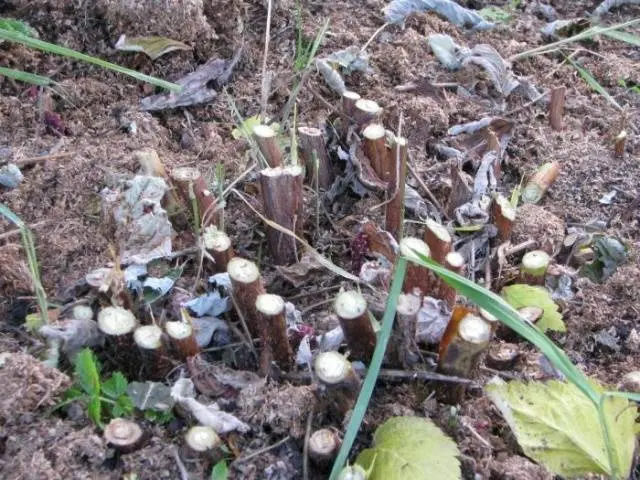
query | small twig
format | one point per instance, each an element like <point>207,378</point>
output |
<point>184,475</point>
<point>520,247</point>
<point>240,177</point>
<point>263,450</point>
<point>423,185</point>
<point>477,435</point>
<point>42,158</point>
<point>11,233</point>
<point>305,447</point>
<point>315,305</point>
<point>267,34</point>
<point>527,105</point>
<point>375,34</point>
<point>500,373</point>
<point>388,374</point>
<point>314,292</point>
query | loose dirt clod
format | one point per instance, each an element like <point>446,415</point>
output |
<point>536,223</point>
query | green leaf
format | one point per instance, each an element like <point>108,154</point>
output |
<point>245,130</point>
<point>624,37</point>
<point>521,295</point>
<point>73,393</point>
<point>26,77</point>
<point>495,14</point>
<point>115,386</point>
<point>610,254</point>
<point>410,447</point>
<point>154,47</point>
<point>161,417</point>
<point>94,410</point>
<point>593,83</point>
<point>558,426</point>
<point>18,26</point>
<point>220,471</point>
<point>123,406</point>
<point>86,371</point>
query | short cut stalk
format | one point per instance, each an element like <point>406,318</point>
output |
<point>351,309</point>
<point>267,141</point>
<point>247,286</point>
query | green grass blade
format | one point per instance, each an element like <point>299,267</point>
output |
<point>627,37</point>
<point>511,318</point>
<point>593,83</point>
<point>374,368</point>
<point>589,33</point>
<point>26,77</point>
<point>16,37</point>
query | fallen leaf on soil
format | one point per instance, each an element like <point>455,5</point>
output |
<point>198,87</point>
<point>75,335</point>
<point>410,447</point>
<point>154,47</point>
<point>150,396</point>
<point>351,59</point>
<point>433,318</point>
<point>208,415</point>
<point>398,10</point>
<point>610,254</point>
<point>520,295</point>
<point>300,273</point>
<point>10,176</point>
<point>210,304</point>
<point>558,426</point>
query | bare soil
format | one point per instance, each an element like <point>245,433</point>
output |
<point>59,199</point>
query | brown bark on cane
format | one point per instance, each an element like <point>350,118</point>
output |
<point>556,107</point>
<point>183,339</point>
<point>502,356</point>
<point>375,148</point>
<point>621,141</point>
<point>203,445</point>
<point>118,325</point>
<point>155,360</point>
<point>267,141</point>
<point>403,345</point>
<point>351,309</point>
<point>438,239</point>
<point>124,435</point>
<point>417,276</point>
<point>349,100</point>
<point>191,185</point>
<point>247,285</point>
<point>316,159</point>
<point>218,245</point>
<point>454,262</point>
<point>339,383</point>
<point>323,447</point>
<point>503,217</point>
<point>534,267</point>
<point>540,182</point>
<point>394,209</point>
<point>366,111</point>
<point>464,341</point>
<point>282,199</point>
<point>271,310</point>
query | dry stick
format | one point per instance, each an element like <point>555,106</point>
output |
<point>375,148</point>
<point>423,185</point>
<point>124,435</point>
<point>262,450</point>
<point>503,217</point>
<point>218,245</point>
<point>621,140</point>
<point>540,182</point>
<point>463,343</point>
<point>183,339</point>
<point>267,141</point>
<point>339,381</point>
<point>155,361</point>
<point>351,309</point>
<point>403,344</point>
<point>191,184</point>
<point>309,249</point>
<point>534,267</point>
<point>394,209</point>
<point>267,35</point>
<point>271,310</point>
<point>365,111</point>
<point>202,444</point>
<point>316,159</point>
<point>17,231</point>
<point>417,276</point>
<point>526,105</point>
<point>33,160</point>
<point>454,262</point>
<point>323,447</point>
<point>556,107</point>
<point>247,286</point>
<point>283,201</point>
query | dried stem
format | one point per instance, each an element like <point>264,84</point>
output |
<point>316,159</point>
<point>534,267</point>
<point>283,202</point>
<point>394,209</point>
<point>351,309</point>
<point>155,361</point>
<point>374,145</point>
<point>365,111</point>
<point>323,447</point>
<point>404,347</point>
<point>621,141</point>
<point>267,141</point>
<point>454,262</point>
<point>247,286</point>
<point>503,217</point>
<point>192,186</point>
<point>340,383</point>
<point>183,339</point>
<point>438,239</point>
<point>540,182</point>
<point>271,310</point>
<point>218,245</point>
<point>463,343</point>
<point>556,107</point>
<point>417,276</point>
<point>502,356</point>
<point>349,100</point>
<point>124,435</point>
<point>202,444</point>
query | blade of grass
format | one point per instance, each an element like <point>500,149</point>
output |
<point>589,33</point>
<point>627,37</point>
<point>16,37</point>
<point>32,261</point>
<point>374,368</point>
<point>26,77</point>
<point>593,83</point>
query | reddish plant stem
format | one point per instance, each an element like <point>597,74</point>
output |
<point>316,159</point>
<point>394,209</point>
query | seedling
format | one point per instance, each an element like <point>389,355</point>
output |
<point>103,399</point>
